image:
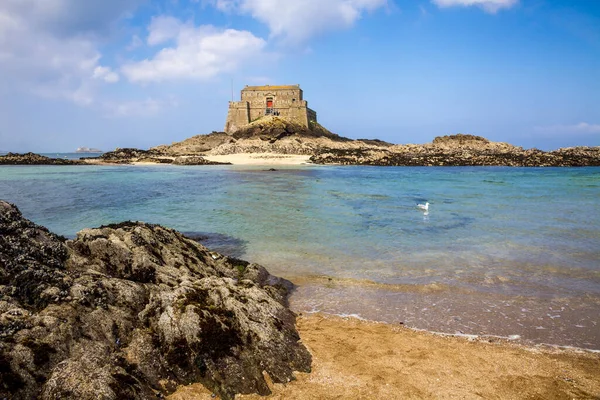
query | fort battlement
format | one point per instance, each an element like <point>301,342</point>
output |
<point>285,101</point>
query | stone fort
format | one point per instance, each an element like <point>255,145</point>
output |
<point>285,101</point>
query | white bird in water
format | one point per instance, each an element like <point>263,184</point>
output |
<point>424,207</point>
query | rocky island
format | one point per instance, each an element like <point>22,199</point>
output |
<point>131,311</point>
<point>277,138</point>
<point>275,135</point>
<point>277,120</point>
<point>273,124</point>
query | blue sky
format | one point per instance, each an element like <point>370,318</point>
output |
<point>139,73</point>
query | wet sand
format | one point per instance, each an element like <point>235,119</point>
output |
<point>438,307</point>
<point>260,159</point>
<point>267,159</point>
<point>356,359</point>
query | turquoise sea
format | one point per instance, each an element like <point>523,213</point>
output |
<point>502,251</point>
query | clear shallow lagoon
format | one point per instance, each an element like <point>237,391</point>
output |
<point>502,251</point>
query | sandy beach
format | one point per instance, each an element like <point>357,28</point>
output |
<point>260,159</point>
<point>355,359</point>
<point>256,159</point>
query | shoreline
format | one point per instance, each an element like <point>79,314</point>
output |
<point>242,159</point>
<point>448,309</point>
<point>360,359</point>
<point>330,334</point>
<point>453,150</point>
<point>260,159</point>
<point>252,159</point>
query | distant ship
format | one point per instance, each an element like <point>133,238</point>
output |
<point>87,150</point>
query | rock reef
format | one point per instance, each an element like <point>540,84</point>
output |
<point>129,155</point>
<point>130,311</point>
<point>155,156</point>
<point>35,159</point>
<point>267,135</point>
<point>280,136</point>
<point>196,160</point>
<point>277,135</point>
<point>460,150</point>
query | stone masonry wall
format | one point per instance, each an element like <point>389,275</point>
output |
<point>287,102</point>
<point>238,116</point>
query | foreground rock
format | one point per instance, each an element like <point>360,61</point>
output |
<point>35,159</point>
<point>130,311</point>
<point>460,150</point>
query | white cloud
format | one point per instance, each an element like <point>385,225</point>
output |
<point>491,6</point>
<point>64,18</point>
<point>587,128</point>
<point>582,128</point>
<point>163,29</point>
<point>298,20</point>
<point>50,47</point>
<point>199,52</point>
<point>106,74</point>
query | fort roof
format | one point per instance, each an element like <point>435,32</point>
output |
<point>276,87</point>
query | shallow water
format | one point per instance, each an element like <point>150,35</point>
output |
<point>506,251</point>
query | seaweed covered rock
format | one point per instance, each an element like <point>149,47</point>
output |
<point>128,155</point>
<point>35,159</point>
<point>133,310</point>
<point>459,150</point>
<point>196,160</point>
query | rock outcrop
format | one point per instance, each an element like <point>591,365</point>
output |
<point>460,150</point>
<point>196,160</point>
<point>130,311</point>
<point>277,135</point>
<point>195,145</point>
<point>35,159</point>
<point>268,135</point>
<point>154,155</point>
<point>129,155</point>
<point>280,136</point>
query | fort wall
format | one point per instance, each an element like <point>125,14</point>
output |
<point>238,116</point>
<point>285,101</point>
